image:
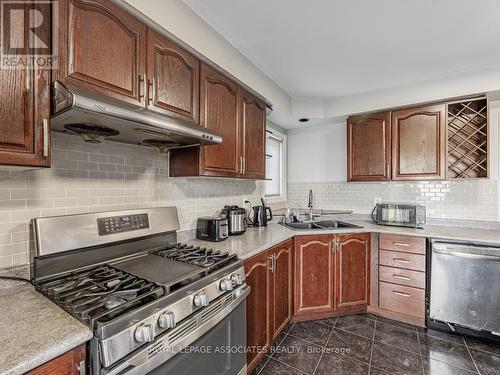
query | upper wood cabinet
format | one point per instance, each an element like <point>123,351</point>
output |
<point>173,78</point>
<point>220,112</point>
<point>269,304</point>
<point>25,111</point>
<point>253,137</point>
<point>418,143</point>
<point>239,118</point>
<point>102,48</point>
<point>352,270</point>
<point>314,275</point>
<point>369,147</point>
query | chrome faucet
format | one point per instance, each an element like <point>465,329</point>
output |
<point>310,205</point>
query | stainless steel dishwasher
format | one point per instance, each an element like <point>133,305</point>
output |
<point>465,286</point>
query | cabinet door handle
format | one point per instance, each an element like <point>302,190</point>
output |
<point>152,91</point>
<point>401,294</point>
<point>241,164</point>
<point>400,260</point>
<point>244,164</point>
<point>45,124</point>
<point>272,261</point>
<point>388,171</point>
<point>404,244</point>
<point>142,87</point>
<point>401,277</point>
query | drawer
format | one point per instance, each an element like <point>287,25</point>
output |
<point>408,261</point>
<point>402,299</point>
<point>399,276</point>
<point>402,243</point>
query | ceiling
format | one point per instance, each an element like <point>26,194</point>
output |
<point>335,48</point>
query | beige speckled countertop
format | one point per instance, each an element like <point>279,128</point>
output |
<point>34,330</point>
<point>256,240</point>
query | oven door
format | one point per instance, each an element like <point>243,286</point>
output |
<point>212,342</point>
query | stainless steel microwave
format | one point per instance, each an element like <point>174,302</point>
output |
<point>399,214</point>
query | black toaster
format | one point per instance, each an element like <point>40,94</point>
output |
<point>210,228</point>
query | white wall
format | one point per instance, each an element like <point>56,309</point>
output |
<point>317,154</point>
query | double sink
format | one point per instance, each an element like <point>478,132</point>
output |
<point>317,225</point>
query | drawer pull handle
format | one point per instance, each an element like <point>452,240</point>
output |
<point>401,293</point>
<point>404,244</point>
<point>400,260</point>
<point>401,277</point>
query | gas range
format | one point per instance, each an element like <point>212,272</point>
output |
<point>145,296</point>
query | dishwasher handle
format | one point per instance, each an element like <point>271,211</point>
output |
<point>463,254</point>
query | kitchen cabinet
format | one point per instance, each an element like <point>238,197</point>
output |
<point>331,274</point>
<point>369,147</point>
<point>314,275</point>
<point>269,304</point>
<point>253,128</point>
<point>401,283</point>
<point>67,364</point>
<point>173,78</point>
<point>103,49</point>
<point>352,270</point>
<point>418,143</point>
<point>239,118</point>
<point>25,111</point>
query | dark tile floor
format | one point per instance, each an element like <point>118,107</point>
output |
<point>365,344</point>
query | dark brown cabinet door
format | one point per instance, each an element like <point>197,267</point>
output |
<point>173,79</point>
<point>258,305</point>
<point>314,275</point>
<point>418,143</point>
<point>25,110</point>
<point>66,364</point>
<point>352,270</point>
<point>369,147</point>
<point>281,287</point>
<point>253,137</point>
<point>102,48</point>
<point>220,112</point>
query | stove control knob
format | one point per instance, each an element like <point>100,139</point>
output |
<point>200,299</point>
<point>226,285</point>
<point>237,279</point>
<point>167,320</point>
<point>144,333</point>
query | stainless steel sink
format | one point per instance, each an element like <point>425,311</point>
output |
<point>323,224</point>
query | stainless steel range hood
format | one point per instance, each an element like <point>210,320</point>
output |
<point>76,110</point>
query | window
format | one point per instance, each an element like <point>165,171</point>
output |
<point>275,185</point>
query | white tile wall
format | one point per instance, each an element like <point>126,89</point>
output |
<point>464,200</point>
<point>110,176</point>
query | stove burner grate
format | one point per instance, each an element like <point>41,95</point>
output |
<point>207,259</point>
<point>101,293</point>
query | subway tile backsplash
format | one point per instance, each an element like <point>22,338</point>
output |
<point>110,176</point>
<point>454,200</point>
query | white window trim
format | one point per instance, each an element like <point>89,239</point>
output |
<point>284,165</point>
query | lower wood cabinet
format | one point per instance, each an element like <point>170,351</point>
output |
<point>401,286</point>
<point>66,364</point>
<point>314,275</point>
<point>269,304</point>
<point>352,270</point>
<point>332,274</point>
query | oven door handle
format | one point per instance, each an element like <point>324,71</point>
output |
<point>142,362</point>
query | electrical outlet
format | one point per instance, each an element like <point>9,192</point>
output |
<point>377,200</point>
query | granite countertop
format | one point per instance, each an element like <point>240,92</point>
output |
<point>256,240</point>
<point>33,330</point>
